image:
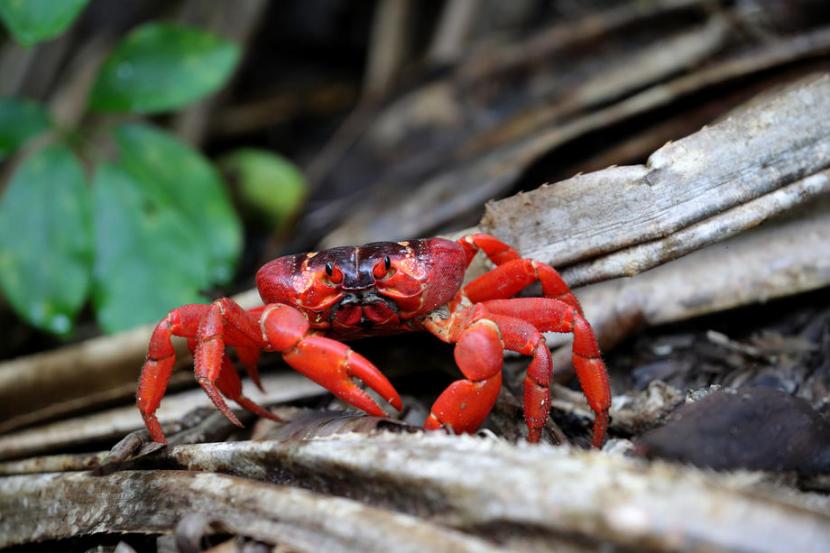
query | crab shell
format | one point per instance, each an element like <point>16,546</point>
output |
<point>378,288</point>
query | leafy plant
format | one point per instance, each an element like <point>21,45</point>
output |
<point>152,227</point>
<point>159,67</point>
<point>32,21</point>
<point>45,239</point>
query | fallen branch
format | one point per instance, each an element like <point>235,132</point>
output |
<point>777,259</point>
<point>55,506</point>
<point>636,259</point>
<point>491,485</point>
<point>761,149</point>
<point>487,487</point>
<point>774,260</point>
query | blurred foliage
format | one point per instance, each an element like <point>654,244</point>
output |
<point>20,120</point>
<point>159,67</point>
<point>269,185</point>
<point>45,239</point>
<point>156,226</point>
<point>32,21</point>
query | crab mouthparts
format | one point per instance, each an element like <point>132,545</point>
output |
<point>363,311</point>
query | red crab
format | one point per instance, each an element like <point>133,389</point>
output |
<point>314,299</point>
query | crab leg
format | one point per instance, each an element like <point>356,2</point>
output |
<point>464,405</point>
<point>161,357</point>
<point>512,273</point>
<point>249,357</point>
<point>225,322</point>
<point>208,329</point>
<point>231,387</point>
<point>550,315</point>
<point>327,362</point>
<point>522,337</point>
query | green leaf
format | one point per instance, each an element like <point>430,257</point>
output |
<point>32,21</point>
<point>181,179</point>
<point>269,183</point>
<point>45,239</point>
<point>147,258</point>
<point>159,67</point>
<point>20,120</point>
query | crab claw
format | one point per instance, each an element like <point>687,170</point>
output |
<point>333,365</point>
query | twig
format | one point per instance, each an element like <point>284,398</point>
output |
<point>492,60</point>
<point>15,63</point>
<point>68,462</point>
<point>766,147</point>
<point>452,31</point>
<point>776,259</point>
<point>387,51</point>
<point>69,101</point>
<point>388,45</point>
<point>321,99</point>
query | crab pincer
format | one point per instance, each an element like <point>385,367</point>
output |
<point>330,363</point>
<point>333,365</point>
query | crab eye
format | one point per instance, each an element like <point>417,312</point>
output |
<point>335,274</point>
<point>382,267</point>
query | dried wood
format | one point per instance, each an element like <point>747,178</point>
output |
<point>15,62</point>
<point>388,48</point>
<point>452,32</point>
<point>54,506</point>
<point>114,423</point>
<point>639,258</point>
<point>650,64</point>
<point>492,60</point>
<point>70,100</point>
<point>385,216</point>
<point>434,127</point>
<point>68,462</point>
<point>537,494</point>
<point>762,149</point>
<point>776,259</point>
